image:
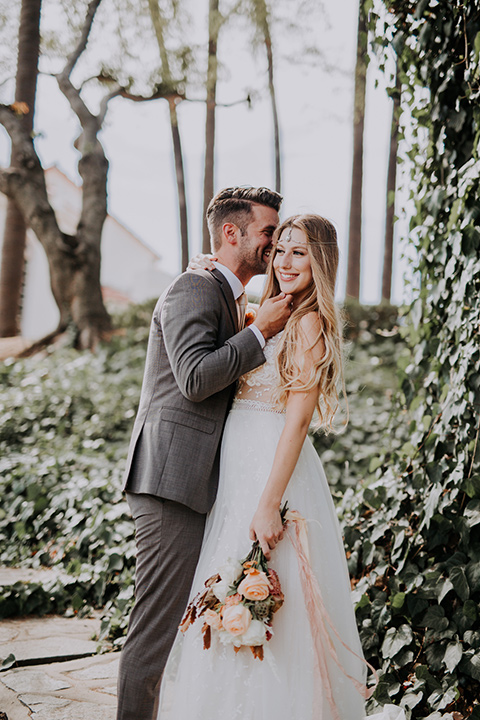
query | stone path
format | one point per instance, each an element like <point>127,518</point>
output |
<point>60,677</point>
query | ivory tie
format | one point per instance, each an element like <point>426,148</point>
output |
<point>241,305</point>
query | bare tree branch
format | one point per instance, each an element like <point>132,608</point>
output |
<point>82,43</point>
<point>160,93</point>
<point>247,100</point>
<point>65,84</point>
<point>101,77</point>
<point>104,104</point>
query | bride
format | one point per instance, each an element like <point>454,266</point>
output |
<point>266,459</point>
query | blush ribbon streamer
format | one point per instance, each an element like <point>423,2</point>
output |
<point>320,621</point>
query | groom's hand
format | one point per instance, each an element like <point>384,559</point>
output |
<point>273,315</point>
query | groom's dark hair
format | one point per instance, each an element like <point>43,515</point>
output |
<point>234,205</point>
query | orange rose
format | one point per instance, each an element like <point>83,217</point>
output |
<point>255,586</point>
<point>213,619</point>
<point>236,619</point>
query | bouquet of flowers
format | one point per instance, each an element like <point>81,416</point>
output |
<point>239,602</point>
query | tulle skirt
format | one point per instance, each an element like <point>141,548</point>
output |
<point>218,683</point>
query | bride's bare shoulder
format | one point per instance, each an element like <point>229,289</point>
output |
<point>310,335</point>
<point>310,326</point>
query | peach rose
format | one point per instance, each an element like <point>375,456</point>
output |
<point>233,599</point>
<point>255,586</point>
<point>213,619</point>
<point>236,619</point>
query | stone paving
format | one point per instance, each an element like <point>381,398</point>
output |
<point>60,676</point>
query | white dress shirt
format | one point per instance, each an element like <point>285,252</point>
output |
<point>238,289</point>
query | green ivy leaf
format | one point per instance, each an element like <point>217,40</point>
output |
<point>440,699</point>
<point>453,655</point>
<point>459,579</point>
<point>472,638</point>
<point>472,666</point>
<point>473,575</point>
<point>435,618</point>
<point>435,653</point>
<point>416,605</point>
<point>398,600</point>
<point>423,673</point>
<point>444,588</point>
<point>466,615</point>
<point>396,639</point>
<point>472,513</point>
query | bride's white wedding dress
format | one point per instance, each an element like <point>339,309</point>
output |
<point>218,683</point>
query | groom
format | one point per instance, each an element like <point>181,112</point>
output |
<point>196,352</point>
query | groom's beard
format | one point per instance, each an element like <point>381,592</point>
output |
<point>253,259</point>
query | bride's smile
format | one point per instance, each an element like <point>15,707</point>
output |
<point>291,263</point>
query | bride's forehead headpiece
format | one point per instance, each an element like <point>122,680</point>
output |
<point>289,234</point>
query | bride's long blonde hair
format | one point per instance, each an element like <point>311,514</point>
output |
<point>326,368</point>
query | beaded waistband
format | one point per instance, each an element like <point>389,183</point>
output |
<point>241,404</point>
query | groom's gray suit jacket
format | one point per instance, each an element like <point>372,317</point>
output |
<point>195,355</point>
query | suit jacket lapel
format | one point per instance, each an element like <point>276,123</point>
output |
<point>228,294</point>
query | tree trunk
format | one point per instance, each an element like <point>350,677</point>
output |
<point>180,175</point>
<point>14,237</point>
<point>159,26</point>
<point>12,271</point>
<point>276,128</point>
<point>261,12</point>
<point>391,189</point>
<point>208,179</point>
<point>355,229</point>
<point>74,262</point>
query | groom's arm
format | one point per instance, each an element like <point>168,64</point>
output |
<point>190,319</point>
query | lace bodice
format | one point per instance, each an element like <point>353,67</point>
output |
<point>255,388</point>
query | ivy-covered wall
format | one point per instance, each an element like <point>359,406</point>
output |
<point>413,534</point>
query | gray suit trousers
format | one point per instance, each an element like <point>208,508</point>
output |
<point>168,537</point>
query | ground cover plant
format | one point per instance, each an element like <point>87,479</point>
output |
<point>65,424</point>
<point>66,421</point>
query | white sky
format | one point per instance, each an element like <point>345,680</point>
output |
<point>315,109</point>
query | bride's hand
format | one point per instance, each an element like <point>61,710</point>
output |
<point>267,528</point>
<point>201,262</point>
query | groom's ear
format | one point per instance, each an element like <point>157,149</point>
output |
<point>230,233</point>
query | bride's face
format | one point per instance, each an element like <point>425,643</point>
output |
<point>291,263</point>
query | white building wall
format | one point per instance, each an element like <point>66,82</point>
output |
<point>40,313</point>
